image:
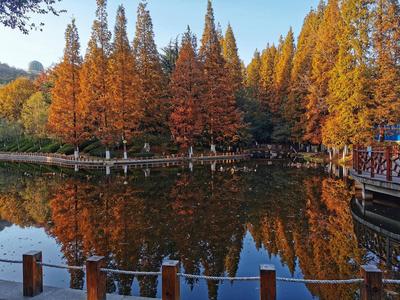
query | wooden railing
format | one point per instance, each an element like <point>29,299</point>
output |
<point>383,161</point>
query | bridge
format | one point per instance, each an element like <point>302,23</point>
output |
<point>377,170</point>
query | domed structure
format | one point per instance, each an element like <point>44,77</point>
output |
<point>35,67</point>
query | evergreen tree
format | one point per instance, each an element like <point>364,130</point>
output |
<point>98,108</point>
<point>323,62</point>
<point>350,92</point>
<point>301,73</point>
<point>123,82</point>
<point>222,120</point>
<point>231,56</point>
<point>65,112</point>
<point>253,75</point>
<point>169,56</point>
<point>187,89</point>
<point>152,78</point>
<point>387,47</point>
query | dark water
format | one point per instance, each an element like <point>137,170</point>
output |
<point>226,222</point>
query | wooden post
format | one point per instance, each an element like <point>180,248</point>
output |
<point>95,278</point>
<point>170,280</point>
<point>267,282</point>
<point>388,157</point>
<point>32,273</point>
<point>372,287</point>
<point>372,165</point>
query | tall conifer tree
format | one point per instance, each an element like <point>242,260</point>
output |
<point>99,111</point>
<point>221,117</point>
<point>232,59</point>
<point>267,71</point>
<point>323,62</point>
<point>387,47</point>
<point>123,82</point>
<point>283,69</point>
<point>301,73</point>
<point>187,89</point>
<point>152,78</point>
<point>253,75</point>
<point>65,113</point>
<point>350,91</point>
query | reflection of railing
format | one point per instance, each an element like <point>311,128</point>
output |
<point>93,162</point>
<point>371,282</point>
<point>377,161</point>
<point>376,234</point>
<point>384,247</point>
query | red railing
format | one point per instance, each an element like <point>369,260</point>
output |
<point>383,161</point>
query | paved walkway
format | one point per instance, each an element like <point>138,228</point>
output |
<point>13,291</point>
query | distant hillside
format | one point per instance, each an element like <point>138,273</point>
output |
<point>8,73</point>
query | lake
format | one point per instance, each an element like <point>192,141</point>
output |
<point>222,222</point>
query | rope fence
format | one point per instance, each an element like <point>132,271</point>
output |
<point>134,273</point>
<point>218,278</point>
<point>371,280</point>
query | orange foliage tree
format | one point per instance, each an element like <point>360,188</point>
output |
<point>98,108</point>
<point>65,113</point>
<point>123,83</point>
<point>221,116</point>
<point>187,89</point>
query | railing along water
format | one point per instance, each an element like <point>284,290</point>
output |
<point>377,161</point>
<point>371,279</point>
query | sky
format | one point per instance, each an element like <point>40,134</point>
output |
<point>255,23</point>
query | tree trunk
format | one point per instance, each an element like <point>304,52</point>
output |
<point>190,152</point>
<point>108,156</point>
<point>125,152</point>
<point>76,152</point>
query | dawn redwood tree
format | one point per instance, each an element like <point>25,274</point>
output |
<point>283,69</point>
<point>65,112</point>
<point>301,73</point>
<point>152,81</point>
<point>222,119</point>
<point>253,75</point>
<point>99,109</point>
<point>123,83</point>
<point>350,90</point>
<point>187,90</point>
<point>323,61</point>
<point>231,56</point>
<point>387,48</point>
<point>267,71</point>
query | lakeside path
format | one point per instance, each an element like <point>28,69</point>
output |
<point>96,163</point>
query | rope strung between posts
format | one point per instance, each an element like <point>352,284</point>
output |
<point>216,278</point>
<point>391,281</point>
<point>11,261</point>
<point>136,273</point>
<point>316,281</point>
<point>61,266</point>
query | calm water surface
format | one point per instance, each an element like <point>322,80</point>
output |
<point>226,222</point>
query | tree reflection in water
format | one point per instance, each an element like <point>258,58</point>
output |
<point>200,218</point>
